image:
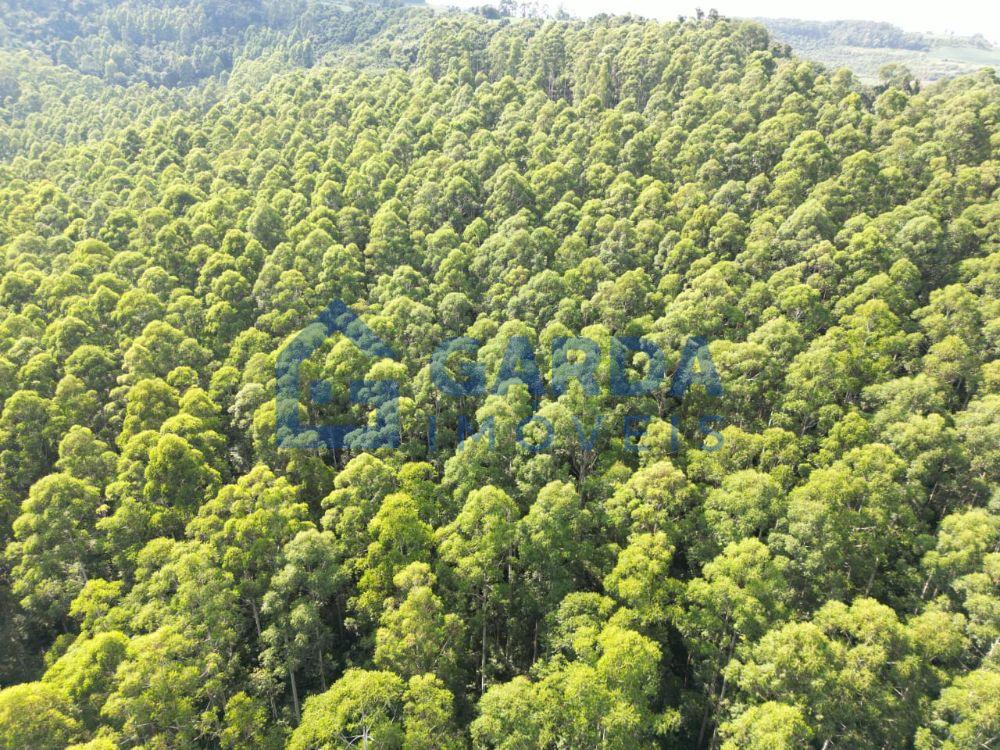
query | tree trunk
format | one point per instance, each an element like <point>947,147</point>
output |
<point>295,695</point>
<point>322,669</point>
<point>482,663</point>
<point>704,723</point>
<point>718,704</point>
<point>534,644</point>
<point>256,622</point>
<point>256,617</point>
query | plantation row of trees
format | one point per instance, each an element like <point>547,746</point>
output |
<point>173,576</point>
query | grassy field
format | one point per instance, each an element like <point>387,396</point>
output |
<point>831,44</point>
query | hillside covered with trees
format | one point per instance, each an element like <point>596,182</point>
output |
<point>865,47</point>
<point>184,42</point>
<point>808,559</point>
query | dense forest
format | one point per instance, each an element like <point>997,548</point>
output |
<point>179,42</point>
<point>805,557</point>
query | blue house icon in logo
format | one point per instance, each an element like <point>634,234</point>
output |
<point>383,395</point>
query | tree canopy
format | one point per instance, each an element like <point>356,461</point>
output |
<point>576,540</point>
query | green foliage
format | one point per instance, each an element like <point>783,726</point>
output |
<point>185,187</point>
<point>35,715</point>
